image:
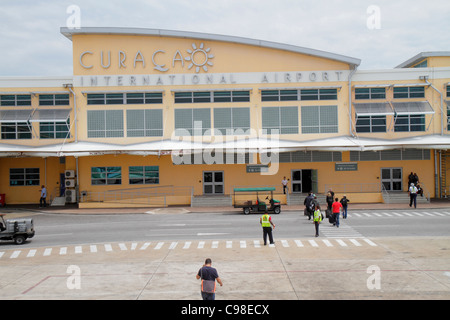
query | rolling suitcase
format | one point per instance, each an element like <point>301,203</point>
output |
<point>331,219</point>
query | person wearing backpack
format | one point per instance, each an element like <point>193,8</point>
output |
<point>309,205</point>
<point>344,201</point>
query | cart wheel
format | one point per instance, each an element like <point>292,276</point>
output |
<point>277,210</point>
<point>246,210</point>
<point>19,240</point>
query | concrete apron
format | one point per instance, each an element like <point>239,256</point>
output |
<point>397,268</point>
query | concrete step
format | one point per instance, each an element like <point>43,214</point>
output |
<point>58,201</point>
<point>403,197</point>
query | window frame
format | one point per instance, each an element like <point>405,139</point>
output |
<point>144,179</point>
<point>107,178</point>
<point>32,181</point>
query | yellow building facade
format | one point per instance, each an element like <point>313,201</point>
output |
<point>156,118</point>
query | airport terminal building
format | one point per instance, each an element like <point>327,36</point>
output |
<point>156,118</point>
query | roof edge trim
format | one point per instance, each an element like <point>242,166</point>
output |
<point>67,32</point>
<point>422,55</point>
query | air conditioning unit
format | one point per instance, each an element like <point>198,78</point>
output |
<point>70,183</point>
<point>71,196</point>
<point>70,173</point>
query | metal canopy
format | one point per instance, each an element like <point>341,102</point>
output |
<point>407,108</point>
<point>373,109</point>
<point>51,115</point>
<point>12,116</point>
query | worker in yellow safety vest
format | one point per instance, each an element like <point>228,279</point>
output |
<point>266,223</point>
<point>317,218</point>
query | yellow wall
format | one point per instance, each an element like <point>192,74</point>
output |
<point>49,170</point>
<point>228,57</point>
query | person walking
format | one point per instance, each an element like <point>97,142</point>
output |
<point>309,205</point>
<point>42,200</point>
<point>413,195</point>
<point>209,276</point>
<point>284,183</point>
<point>329,199</point>
<point>266,223</point>
<point>336,210</point>
<point>344,201</point>
<point>317,219</point>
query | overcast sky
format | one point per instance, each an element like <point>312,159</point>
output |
<point>381,33</point>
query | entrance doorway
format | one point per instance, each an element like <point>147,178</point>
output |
<point>304,181</point>
<point>213,182</point>
<point>391,178</point>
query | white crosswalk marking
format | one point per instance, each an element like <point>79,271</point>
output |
<point>402,214</point>
<point>377,214</point>
<point>344,231</point>
<point>173,245</point>
<point>299,243</point>
<point>327,243</point>
<point>313,243</point>
<point>187,245</point>
<point>31,253</point>
<point>15,254</point>
<point>370,242</point>
<point>351,237</point>
<point>407,214</point>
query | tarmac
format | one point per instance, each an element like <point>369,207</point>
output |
<point>394,268</point>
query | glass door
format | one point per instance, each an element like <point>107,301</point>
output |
<point>213,182</point>
<point>296,181</point>
<point>391,178</point>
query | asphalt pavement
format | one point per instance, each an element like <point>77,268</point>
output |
<point>321,268</point>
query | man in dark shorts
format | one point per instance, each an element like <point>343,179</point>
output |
<point>209,276</point>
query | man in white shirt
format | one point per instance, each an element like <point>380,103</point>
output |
<point>413,195</point>
<point>284,183</point>
<point>42,201</point>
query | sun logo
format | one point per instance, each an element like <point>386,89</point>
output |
<point>199,57</point>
